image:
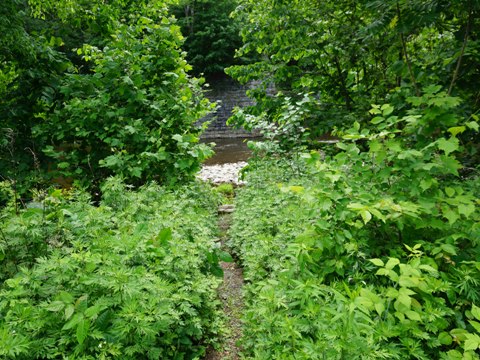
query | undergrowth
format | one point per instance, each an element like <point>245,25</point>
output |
<point>132,278</point>
<point>369,253</point>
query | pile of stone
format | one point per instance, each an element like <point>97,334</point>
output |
<point>222,173</point>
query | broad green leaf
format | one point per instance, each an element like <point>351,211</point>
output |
<point>379,308</point>
<point>66,297</point>
<point>456,130</point>
<point>472,342</point>
<point>450,164</point>
<point>451,215</point>
<point>69,310</point>
<point>426,184</point>
<point>448,146</point>
<point>413,315</point>
<point>449,191</point>
<point>377,120</point>
<point>375,146</point>
<point>225,256</point>
<point>378,214</point>
<point>55,306</point>
<point>377,262</point>
<point>391,263</point>
<point>449,249</point>
<point>459,334</point>
<point>444,338</point>
<point>387,109</point>
<point>63,165</point>
<point>454,355</point>
<point>82,330</point>
<point>73,322</point>
<point>472,125</point>
<point>296,189</point>
<point>366,216</point>
<point>408,281</point>
<point>92,311</point>
<point>476,312</point>
<point>356,206</point>
<point>466,209</point>
<point>475,324</point>
<point>164,236</point>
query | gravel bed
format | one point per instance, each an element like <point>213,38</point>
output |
<point>222,173</point>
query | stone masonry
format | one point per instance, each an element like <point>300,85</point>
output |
<point>228,93</point>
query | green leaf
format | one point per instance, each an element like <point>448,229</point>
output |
<point>444,338</point>
<point>387,109</point>
<point>413,315</point>
<point>472,342</point>
<point>456,130</point>
<point>377,262</point>
<point>55,306</point>
<point>73,322</point>
<point>366,216</point>
<point>475,324</point>
<point>63,165</point>
<point>450,164</point>
<point>449,191</point>
<point>225,256</point>
<point>454,355</point>
<point>379,308</point>
<point>476,312</point>
<point>451,215</point>
<point>377,120</point>
<point>448,146</point>
<point>164,236</point>
<point>466,209</point>
<point>472,125</point>
<point>82,330</point>
<point>391,263</point>
<point>69,310</point>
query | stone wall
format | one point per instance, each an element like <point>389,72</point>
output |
<point>229,94</point>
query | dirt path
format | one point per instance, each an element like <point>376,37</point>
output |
<point>231,295</point>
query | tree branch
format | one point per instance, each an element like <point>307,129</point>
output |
<point>405,54</point>
<point>462,52</point>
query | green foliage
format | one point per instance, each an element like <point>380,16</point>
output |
<point>226,192</point>
<point>93,89</point>
<point>369,253</point>
<point>132,278</point>
<point>212,36</point>
<point>347,55</point>
<point>125,117</point>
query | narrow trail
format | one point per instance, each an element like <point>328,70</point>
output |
<point>231,295</point>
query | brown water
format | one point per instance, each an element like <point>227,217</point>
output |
<point>233,150</point>
<point>229,150</point>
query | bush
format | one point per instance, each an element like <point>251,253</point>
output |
<point>370,253</point>
<point>131,278</point>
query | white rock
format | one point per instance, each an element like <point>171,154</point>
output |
<point>222,173</point>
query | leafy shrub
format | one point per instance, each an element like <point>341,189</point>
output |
<point>134,114</point>
<point>131,278</point>
<point>92,89</point>
<point>370,253</point>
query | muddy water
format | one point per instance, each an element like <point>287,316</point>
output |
<point>234,150</point>
<point>229,150</point>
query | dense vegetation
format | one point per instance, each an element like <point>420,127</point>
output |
<point>330,60</point>
<point>368,249</point>
<point>364,250</point>
<point>362,254</point>
<point>132,278</point>
<point>212,36</point>
<point>91,89</point>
